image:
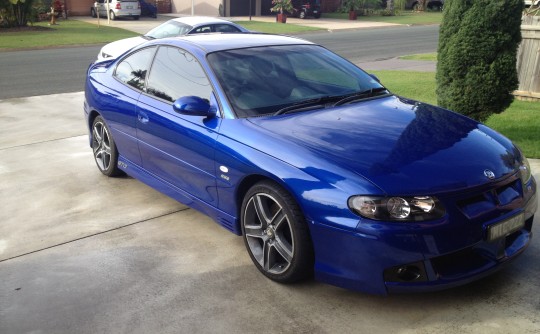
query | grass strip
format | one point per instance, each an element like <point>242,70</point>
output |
<point>67,32</point>
<point>421,56</point>
<point>274,27</point>
<point>404,17</point>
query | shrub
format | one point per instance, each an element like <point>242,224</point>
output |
<point>476,70</point>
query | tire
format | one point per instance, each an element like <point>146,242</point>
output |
<point>93,12</point>
<point>136,17</point>
<point>276,234</point>
<point>318,16</point>
<point>104,148</point>
<point>302,14</point>
<point>112,15</point>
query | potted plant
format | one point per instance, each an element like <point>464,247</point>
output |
<point>352,6</point>
<point>281,7</point>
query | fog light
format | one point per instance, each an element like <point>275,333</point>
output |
<point>408,273</point>
<point>412,272</point>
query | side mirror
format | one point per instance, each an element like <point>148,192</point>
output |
<point>194,106</point>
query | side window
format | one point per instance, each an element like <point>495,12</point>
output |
<point>201,30</point>
<point>225,28</point>
<point>176,73</point>
<point>133,69</point>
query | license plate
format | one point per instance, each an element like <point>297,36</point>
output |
<point>315,12</point>
<point>129,7</point>
<point>505,227</point>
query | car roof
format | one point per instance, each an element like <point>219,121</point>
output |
<point>219,42</point>
<point>196,20</point>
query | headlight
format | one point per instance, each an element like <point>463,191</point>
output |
<point>417,208</point>
<point>525,171</point>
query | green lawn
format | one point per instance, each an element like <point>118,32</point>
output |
<point>405,17</point>
<point>67,32</point>
<point>421,56</point>
<point>520,122</point>
<point>274,27</point>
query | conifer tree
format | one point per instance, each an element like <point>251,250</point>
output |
<point>476,68</point>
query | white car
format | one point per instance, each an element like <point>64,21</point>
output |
<point>172,28</point>
<point>117,8</point>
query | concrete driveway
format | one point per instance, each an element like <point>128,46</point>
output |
<point>82,253</point>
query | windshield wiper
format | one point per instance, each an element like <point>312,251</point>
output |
<point>300,106</point>
<point>361,95</point>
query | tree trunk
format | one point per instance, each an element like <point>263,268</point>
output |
<point>390,7</point>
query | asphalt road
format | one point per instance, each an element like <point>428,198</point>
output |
<point>62,70</point>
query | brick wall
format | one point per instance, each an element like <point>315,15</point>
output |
<point>79,7</point>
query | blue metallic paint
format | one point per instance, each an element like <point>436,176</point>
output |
<point>384,146</point>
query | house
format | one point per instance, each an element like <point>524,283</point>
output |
<point>202,7</point>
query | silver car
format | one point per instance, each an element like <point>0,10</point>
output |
<point>175,27</point>
<point>117,8</point>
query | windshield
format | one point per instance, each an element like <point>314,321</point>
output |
<point>273,80</point>
<point>169,29</point>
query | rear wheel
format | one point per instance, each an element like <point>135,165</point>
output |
<point>112,15</point>
<point>93,12</point>
<point>276,234</point>
<point>302,14</point>
<point>105,152</point>
<point>136,17</point>
<point>318,16</point>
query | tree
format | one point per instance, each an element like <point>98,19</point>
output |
<point>14,13</point>
<point>476,69</point>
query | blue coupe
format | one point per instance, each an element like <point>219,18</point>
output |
<point>319,167</point>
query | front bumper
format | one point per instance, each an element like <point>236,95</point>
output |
<point>384,258</point>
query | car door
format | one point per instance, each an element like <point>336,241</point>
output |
<point>121,94</point>
<point>102,7</point>
<point>176,148</point>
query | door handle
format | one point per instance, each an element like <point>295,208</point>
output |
<point>142,117</point>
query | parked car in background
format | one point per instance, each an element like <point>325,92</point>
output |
<point>176,27</point>
<point>117,8</point>
<point>315,163</point>
<point>306,8</point>
<point>148,9</point>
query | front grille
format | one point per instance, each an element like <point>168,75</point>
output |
<point>489,200</point>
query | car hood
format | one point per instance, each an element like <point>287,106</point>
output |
<point>116,48</point>
<point>402,146</point>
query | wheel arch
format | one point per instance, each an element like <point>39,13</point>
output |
<point>91,117</point>
<point>248,182</point>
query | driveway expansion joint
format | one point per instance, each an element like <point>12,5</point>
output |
<point>94,234</point>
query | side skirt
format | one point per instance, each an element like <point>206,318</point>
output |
<point>227,221</point>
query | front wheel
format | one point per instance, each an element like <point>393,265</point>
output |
<point>276,234</point>
<point>105,152</point>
